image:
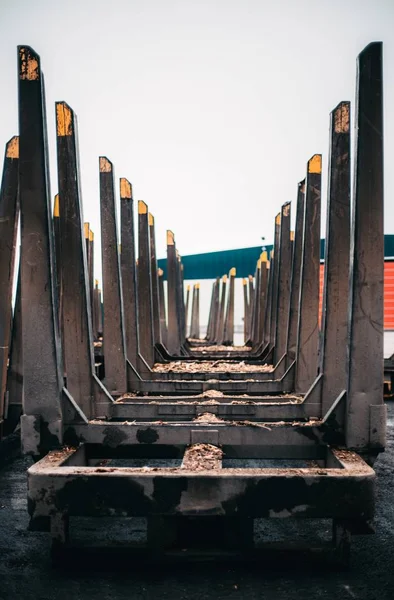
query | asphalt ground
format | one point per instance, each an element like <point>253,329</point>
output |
<point>27,571</point>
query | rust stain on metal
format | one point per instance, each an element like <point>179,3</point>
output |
<point>29,69</point>
<point>142,207</point>
<point>125,188</point>
<point>342,118</point>
<point>63,119</point>
<point>12,150</point>
<point>105,165</point>
<point>56,210</point>
<point>314,164</point>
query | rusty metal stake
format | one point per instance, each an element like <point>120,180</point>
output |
<point>295,277</point>
<point>9,214</point>
<point>366,413</point>
<point>308,317</point>
<point>333,358</point>
<point>41,422</point>
<point>113,334</point>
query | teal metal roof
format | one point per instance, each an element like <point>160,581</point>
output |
<point>215,264</point>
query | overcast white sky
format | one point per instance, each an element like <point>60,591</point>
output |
<point>210,108</point>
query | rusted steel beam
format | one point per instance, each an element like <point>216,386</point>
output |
<point>77,333</point>
<point>229,321</point>
<point>41,422</point>
<point>89,244</point>
<point>113,333</point>
<point>284,267</point>
<point>91,269</point>
<point>289,438</point>
<point>96,311</point>
<point>198,311</point>
<point>193,313</point>
<point>195,318</point>
<point>295,276</point>
<point>56,233</point>
<point>155,282</point>
<point>15,368</point>
<point>182,307</point>
<point>163,319</point>
<point>9,215</point>
<point>255,308</point>
<point>215,311</point>
<point>343,488</point>
<point>333,356</point>
<point>145,308</point>
<point>267,316</point>
<point>222,308</point>
<point>246,309</point>
<point>180,303</point>
<point>174,333</point>
<point>186,408</point>
<point>251,302</point>
<point>128,269</point>
<point>187,304</point>
<point>275,282</point>
<point>210,316</point>
<point>308,317</point>
<point>365,419</point>
<point>263,291</point>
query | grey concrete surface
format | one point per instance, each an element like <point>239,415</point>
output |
<point>27,573</point>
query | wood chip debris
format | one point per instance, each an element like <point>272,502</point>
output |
<point>208,418</point>
<point>211,394</point>
<point>202,457</point>
<point>210,366</point>
<point>229,349</point>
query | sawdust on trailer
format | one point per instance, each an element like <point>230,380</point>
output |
<point>202,457</point>
<point>208,418</point>
<point>210,366</point>
<point>206,349</point>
